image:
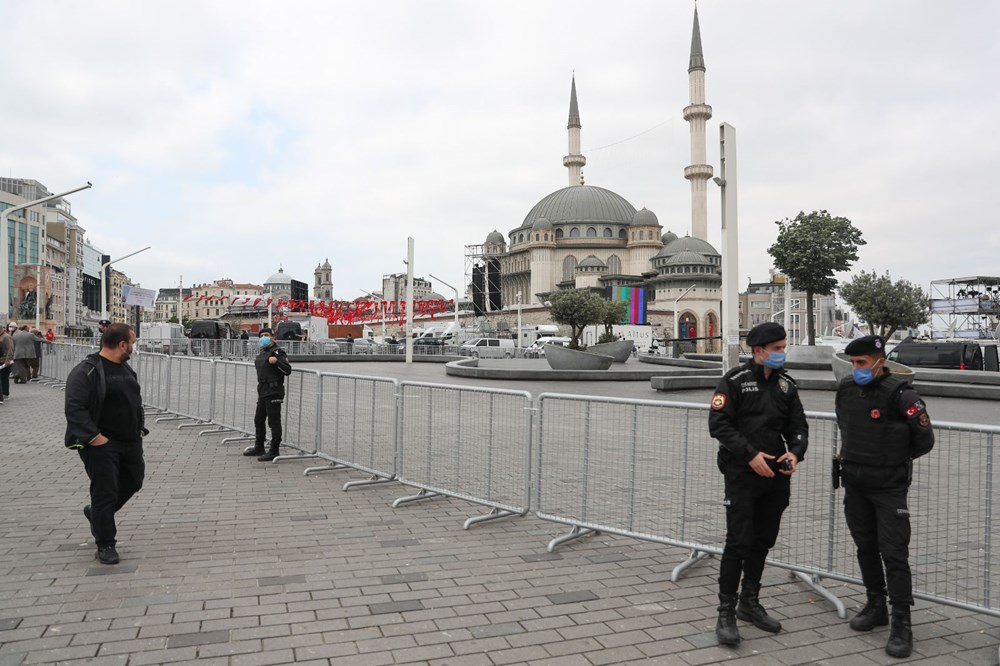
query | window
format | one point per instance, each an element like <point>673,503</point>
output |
<point>607,232</point>
<point>574,232</point>
<point>795,304</point>
<point>569,265</point>
<point>614,265</point>
<point>537,236</point>
<point>591,232</point>
<point>622,234</point>
<point>760,304</point>
<point>559,234</point>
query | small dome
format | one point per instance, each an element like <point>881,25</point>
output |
<point>541,224</point>
<point>434,296</point>
<point>279,278</point>
<point>495,237</point>
<point>591,262</point>
<point>645,218</point>
<point>668,237</point>
<point>687,244</point>
<point>326,264</point>
<point>687,258</point>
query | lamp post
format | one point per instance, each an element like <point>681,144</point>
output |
<point>730,248</point>
<point>519,320</point>
<point>409,300</point>
<point>677,324</point>
<point>455,289</point>
<point>4,276</point>
<point>104,267</point>
<point>383,311</point>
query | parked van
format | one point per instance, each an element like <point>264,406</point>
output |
<point>489,348</point>
<point>209,329</point>
<point>537,349</point>
<point>944,355</point>
<point>288,330</point>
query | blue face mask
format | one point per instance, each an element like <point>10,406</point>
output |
<point>775,360</point>
<point>864,376</point>
<point>265,341</point>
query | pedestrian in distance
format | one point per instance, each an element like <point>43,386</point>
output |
<point>36,365</point>
<point>24,354</point>
<point>884,426</point>
<point>272,367</point>
<point>6,361</point>
<point>102,326</point>
<point>49,336</point>
<point>105,424</point>
<point>757,416</point>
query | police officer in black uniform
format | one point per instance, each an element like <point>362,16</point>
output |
<point>272,367</point>
<point>883,426</point>
<point>758,419</point>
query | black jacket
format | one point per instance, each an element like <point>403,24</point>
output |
<point>751,414</point>
<point>271,378</point>
<point>85,390</point>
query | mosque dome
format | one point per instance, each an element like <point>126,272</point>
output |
<point>581,204</point>
<point>645,218</point>
<point>668,237</point>
<point>279,278</point>
<point>434,296</point>
<point>687,258</point>
<point>687,244</point>
<point>591,262</point>
<point>541,224</point>
<point>495,237</point>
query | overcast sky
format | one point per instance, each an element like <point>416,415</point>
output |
<point>235,137</point>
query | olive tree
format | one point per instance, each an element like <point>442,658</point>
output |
<point>577,309</point>
<point>885,306</point>
<point>810,249</point>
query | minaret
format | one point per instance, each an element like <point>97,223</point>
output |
<point>575,161</point>
<point>696,113</point>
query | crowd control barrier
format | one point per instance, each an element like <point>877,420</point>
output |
<point>358,427</point>
<point>468,443</point>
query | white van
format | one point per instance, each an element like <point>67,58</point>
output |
<point>488,348</point>
<point>537,350</point>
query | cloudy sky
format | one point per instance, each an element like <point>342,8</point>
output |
<point>235,137</point>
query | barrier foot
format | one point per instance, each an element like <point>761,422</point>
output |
<point>372,480</point>
<point>213,431</point>
<point>494,514</point>
<point>171,418</point>
<point>296,456</point>
<point>694,557</point>
<point>422,495</point>
<point>238,438</point>
<point>331,467</point>
<point>574,534</point>
<point>813,581</point>
<point>196,424</point>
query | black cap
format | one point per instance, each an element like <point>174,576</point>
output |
<point>104,322</point>
<point>765,334</point>
<point>263,330</point>
<point>870,345</point>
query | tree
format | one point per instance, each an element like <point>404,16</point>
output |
<point>615,313</point>
<point>880,302</point>
<point>810,249</point>
<point>577,309</point>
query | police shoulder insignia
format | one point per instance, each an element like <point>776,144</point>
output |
<point>718,401</point>
<point>924,420</point>
<point>876,414</point>
<point>915,408</point>
<point>783,384</point>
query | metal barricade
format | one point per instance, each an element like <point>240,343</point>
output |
<point>648,470</point>
<point>154,378</point>
<point>235,398</point>
<point>469,443</point>
<point>300,414</point>
<point>358,427</point>
<point>189,390</point>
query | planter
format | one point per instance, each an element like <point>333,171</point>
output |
<point>619,350</point>
<point>842,368</point>
<point>564,358</point>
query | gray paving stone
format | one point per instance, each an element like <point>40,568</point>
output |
<point>395,607</point>
<point>198,638</point>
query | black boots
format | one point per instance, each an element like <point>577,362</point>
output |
<point>751,611</point>
<point>900,635</point>
<point>271,454</point>
<point>874,614</point>
<point>255,450</point>
<point>725,629</point>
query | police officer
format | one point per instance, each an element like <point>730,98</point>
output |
<point>758,419</point>
<point>272,367</point>
<point>883,426</point>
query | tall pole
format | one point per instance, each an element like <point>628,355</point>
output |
<point>730,250</point>
<point>518,320</point>
<point>456,298</point>
<point>5,251</point>
<point>409,300</point>
<point>104,268</point>
<point>788,309</point>
<point>38,296</point>
<point>180,303</point>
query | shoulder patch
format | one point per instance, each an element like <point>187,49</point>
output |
<point>718,401</point>
<point>924,420</point>
<point>783,384</point>
<point>916,408</point>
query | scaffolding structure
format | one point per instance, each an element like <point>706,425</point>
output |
<point>966,307</point>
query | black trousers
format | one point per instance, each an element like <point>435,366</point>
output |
<point>269,409</point>
<point>116,472</point>
<point>5,380</point>
<point>754,505</point>
<point>879,521</point>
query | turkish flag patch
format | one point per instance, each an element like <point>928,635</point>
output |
<point>913,410</point>
<point>718,401</point>
<point>876,415</point>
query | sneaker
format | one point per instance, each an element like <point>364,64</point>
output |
<point>107,555</point>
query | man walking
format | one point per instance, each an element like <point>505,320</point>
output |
<point>6,362</point>
<point>105,423</point>
<point>24,354</point>
<point>758,419</point>
<point>272,367</point>
<point>883,425</point>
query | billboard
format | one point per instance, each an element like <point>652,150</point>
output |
<point>635,299</point>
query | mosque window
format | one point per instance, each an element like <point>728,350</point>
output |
<point>621,234</point>
<point>574,232</point>
<point>569,265</point>
<point>537,236</point>
<point>607,232</point>
<point>559,234</point>
<point>614,265</point>
<point>520,238</point>
<point>591,232</point>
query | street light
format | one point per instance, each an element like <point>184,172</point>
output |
<point>383,311</point>
<point>104,267</point>
<point>519,320</point>
<point>4,277</point>
<point>677,324</point>
<point>730,250</point>
<point>456,300</point>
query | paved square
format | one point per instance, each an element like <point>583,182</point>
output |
<point>229,561</point>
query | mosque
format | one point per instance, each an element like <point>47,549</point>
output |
<point>588,237</point>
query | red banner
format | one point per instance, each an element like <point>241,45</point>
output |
<point>338,312</point>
